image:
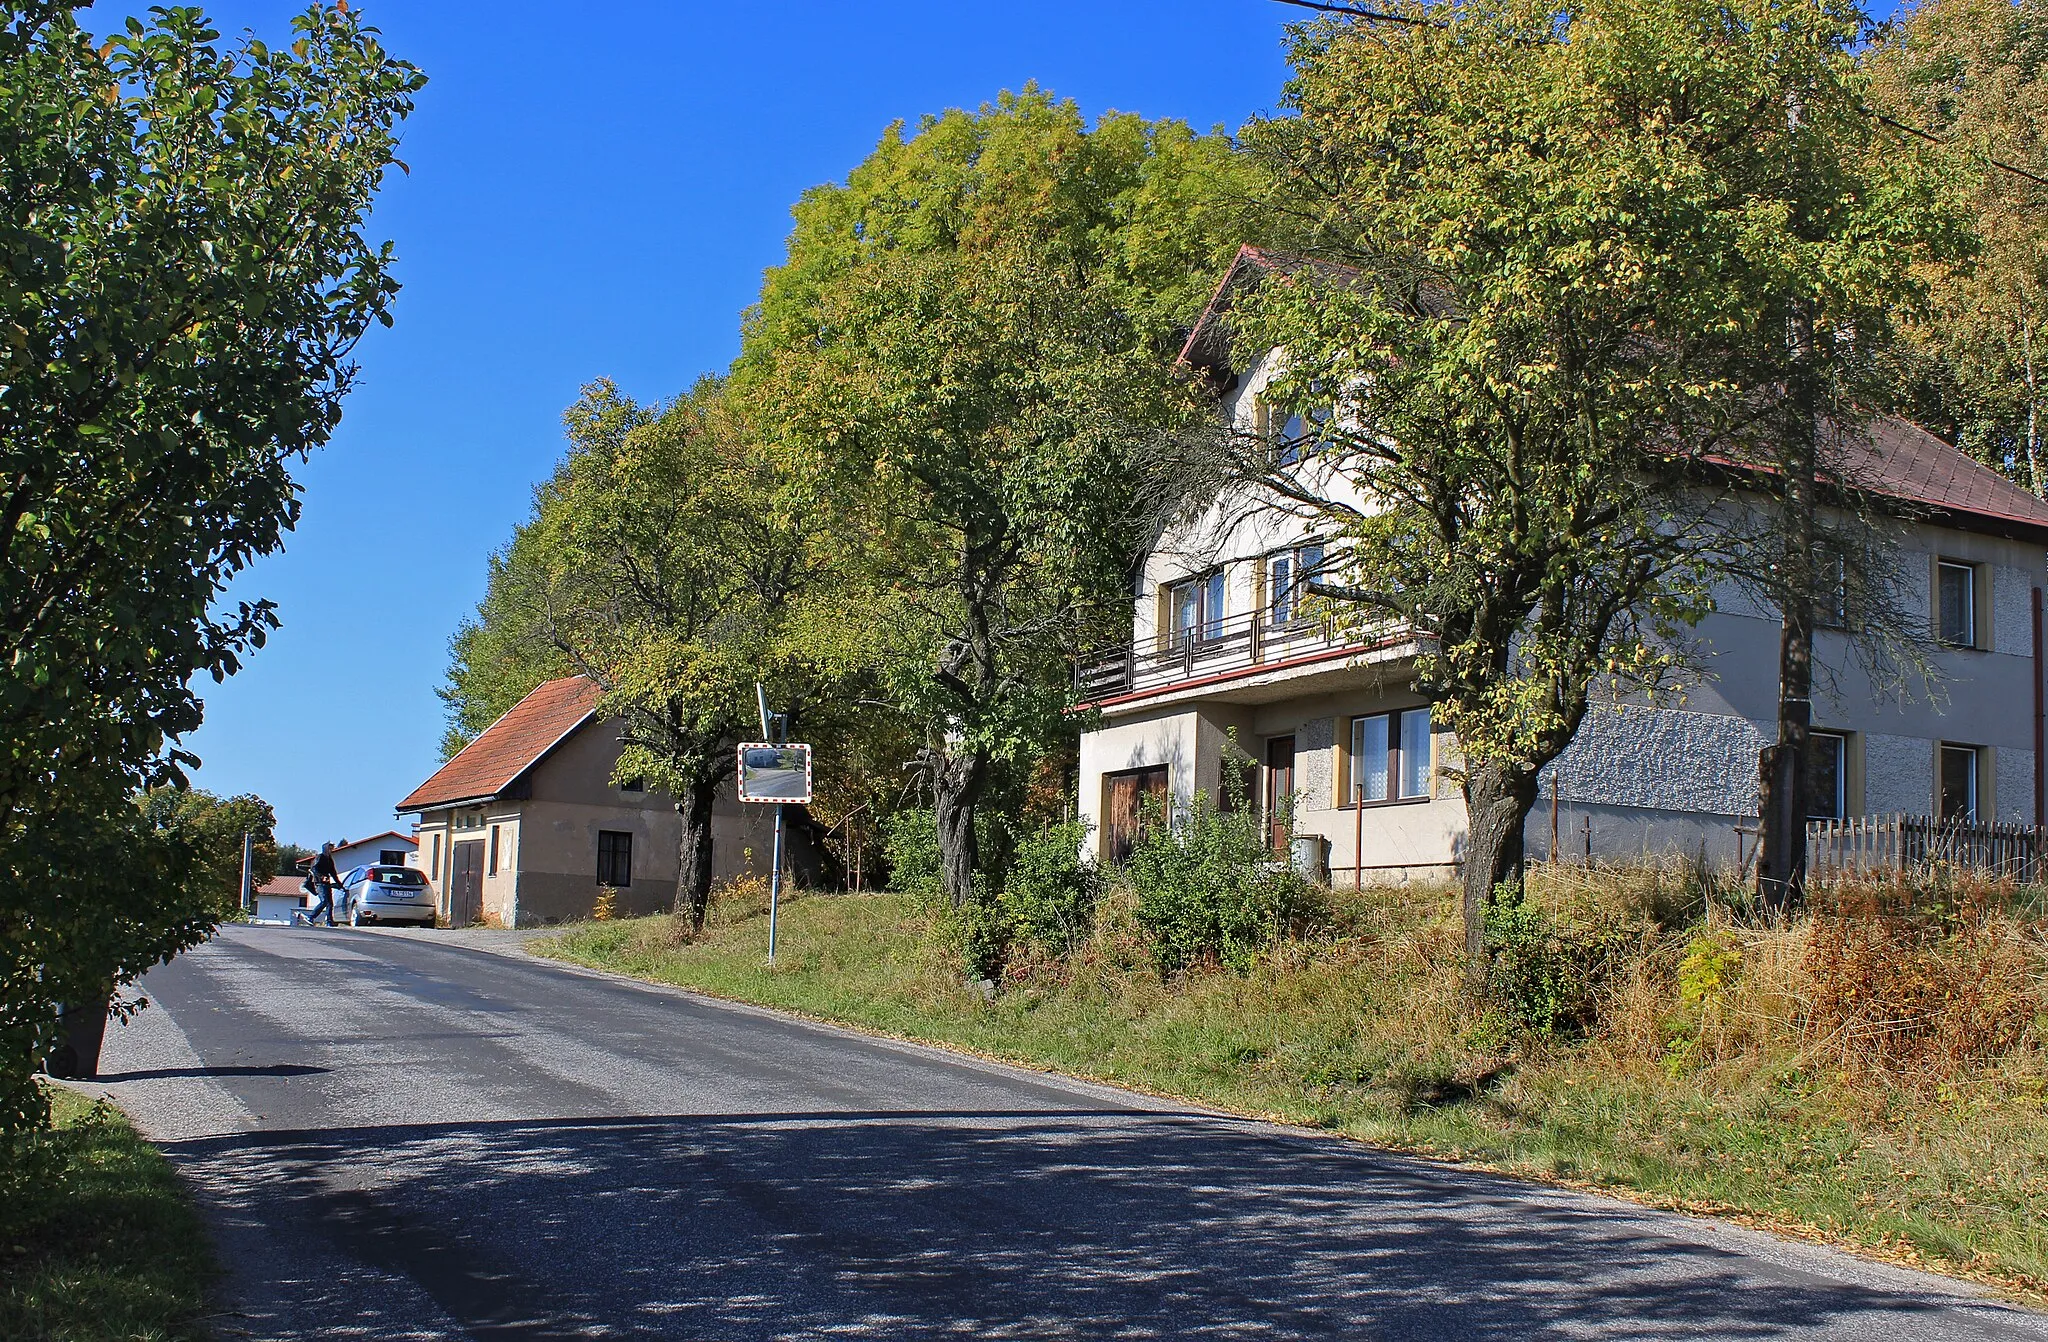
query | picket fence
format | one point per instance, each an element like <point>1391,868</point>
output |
<point>1913,843</point>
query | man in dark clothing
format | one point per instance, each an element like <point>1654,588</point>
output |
<point>323,880</point>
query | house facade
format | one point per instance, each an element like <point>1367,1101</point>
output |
<point>390,849</point>
<point>525,826</point>
<point>1230,686</point>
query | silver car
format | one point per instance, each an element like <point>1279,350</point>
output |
<point>379,894</point>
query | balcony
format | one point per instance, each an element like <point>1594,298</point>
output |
<point>1239,644</point>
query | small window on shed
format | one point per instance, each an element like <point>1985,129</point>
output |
<point>614,858</point>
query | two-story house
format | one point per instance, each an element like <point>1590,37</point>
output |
<point>1335,742</point>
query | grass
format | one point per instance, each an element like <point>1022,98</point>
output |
<point>97,1237</point>
<point>1698,1098</point>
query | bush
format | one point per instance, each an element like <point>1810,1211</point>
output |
<point>1208,888</point>
<point>910,843</point>
<point>1545,975</point>
<point>1049,898</point>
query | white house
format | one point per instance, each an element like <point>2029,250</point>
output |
<point>1345,749</point>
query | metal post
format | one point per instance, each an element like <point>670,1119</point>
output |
<point>775,883</point>
<point>248,900</point>
<point>1358,837</point>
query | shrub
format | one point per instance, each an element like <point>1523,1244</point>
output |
<point>1049,898</point>
<point>910,843</point>
<point>1207,887</point>
<point>1543,974</point>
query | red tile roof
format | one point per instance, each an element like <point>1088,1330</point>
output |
<point>1892,458</point>
<point>507,748</point>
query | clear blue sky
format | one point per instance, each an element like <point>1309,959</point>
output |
<point>595,192</point>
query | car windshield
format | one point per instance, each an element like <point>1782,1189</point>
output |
<point>398,876</point>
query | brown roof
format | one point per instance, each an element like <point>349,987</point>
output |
<point>1893,457</point>
<point>507,748</point>
<point>283,885</point>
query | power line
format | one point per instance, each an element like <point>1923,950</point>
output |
<point>1408,20</point>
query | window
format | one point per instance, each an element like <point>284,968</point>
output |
<point>1831,592</point>
<point>1827,776</point>
<point>494,851</point>
<point>1288,575</point>
<point>437,855</point>
<point>1957,799</point>
<point>633,785</point>
<point>1196,606</point>
<point>1389,757</point>
<point>390,857</point>
<point>614,858</point>
<point>1294,434</point>
<point>1956,603</point>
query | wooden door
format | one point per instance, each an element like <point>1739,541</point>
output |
<point>466,883</point>
<point>1128,798</point>
<point>1279,792</point>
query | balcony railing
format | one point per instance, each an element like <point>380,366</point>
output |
<point>1214,648</point>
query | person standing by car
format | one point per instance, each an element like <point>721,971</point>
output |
<point>324,879</point>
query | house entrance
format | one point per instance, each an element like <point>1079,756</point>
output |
<point>1279,794</point>
<point>466,883</point>
<point>1128,797</point>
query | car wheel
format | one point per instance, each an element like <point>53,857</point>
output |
<point>355,915</point>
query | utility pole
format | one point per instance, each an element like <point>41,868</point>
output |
<point>248,900</point>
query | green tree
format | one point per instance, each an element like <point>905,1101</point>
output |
<point>499,654</point>
<point>1564,262</point>
<point>185,275</point>
<point>963,350</point>
<point>215,825</point>
<point>665,561</point>
<point>1975,74</point>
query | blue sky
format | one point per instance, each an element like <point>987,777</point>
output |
<point>595,192</point>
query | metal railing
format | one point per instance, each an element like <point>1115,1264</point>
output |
<point>1903,843</point>
<point>1216,647</point>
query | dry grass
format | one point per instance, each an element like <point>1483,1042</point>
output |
<point>1871,1073</point>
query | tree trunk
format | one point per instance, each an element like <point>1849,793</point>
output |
<point>1781,871</point>
<point>957,785</point>
<point>693,854</point>
<point>1498,799</point>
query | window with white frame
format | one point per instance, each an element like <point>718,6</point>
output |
<point>1288,575</point>
<point>1195,606</point>
<point>1390,757</point>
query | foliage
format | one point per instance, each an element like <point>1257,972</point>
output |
<point>910,842</point>
<point>1546,278</point>
<point>215,826</point>
<point>186,275</point>
<point>1208,889</point>
<point>1975,74</point>
<point>1049,894</point>
<point>1543,974</point>
<point>101,1243</point>
<point>960,352</point>
<point>97,897</point>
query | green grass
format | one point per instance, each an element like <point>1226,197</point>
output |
<point>98,1239</point>
<point>1363,1032</point>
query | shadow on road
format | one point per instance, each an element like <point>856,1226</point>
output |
<point>995,1225</point>
<point>167,1073</point>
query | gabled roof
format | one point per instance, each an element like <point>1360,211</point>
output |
<point>342,844</point>
<point>1892,457</point>
<point>489,765</point>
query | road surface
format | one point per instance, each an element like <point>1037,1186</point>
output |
<point>399,1138</point>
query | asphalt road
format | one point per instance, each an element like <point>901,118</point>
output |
<point>398,1138</point>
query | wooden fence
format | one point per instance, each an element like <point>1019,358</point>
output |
<point>1911,843</point>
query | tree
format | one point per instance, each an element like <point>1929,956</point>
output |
<point>215,826</point>
<point>962,352</point>
<point>662,562</point>
<point>499,654</point>
<point>185,274</point>
<point>1975,74</point>
<point>1556,262</point>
